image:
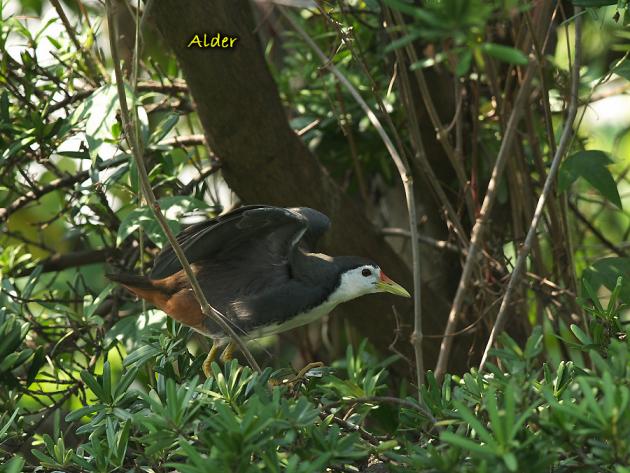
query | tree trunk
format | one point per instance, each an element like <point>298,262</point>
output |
<point>264,161</point>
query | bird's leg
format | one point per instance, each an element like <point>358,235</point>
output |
<point>209,359</point>
<point>228,353</point>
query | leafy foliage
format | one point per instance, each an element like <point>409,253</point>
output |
<point>92,381</point>
<point>524,414</point>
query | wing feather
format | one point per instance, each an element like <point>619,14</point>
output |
<point>263,235</point>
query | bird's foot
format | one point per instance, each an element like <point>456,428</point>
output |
<point>300,376</point>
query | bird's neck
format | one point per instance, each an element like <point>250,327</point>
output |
<point>313,267</point>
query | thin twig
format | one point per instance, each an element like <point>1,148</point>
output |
<point>93,64</point>
<point>178,86</point>
<point>480,225</point>
<point>365,435</point>
<point>346,128</point>
<point>420,156</point>
<point>203,174</point>
<point>595,231</point>
<point>35,194</point>
<point>188,140</point>
<point>383,399</point>
<point>206,308</point>
<point>407,180</point>
<point>440,130</point>
<point>61,261</point>
<point>438,244</point>
<point>563,146</point>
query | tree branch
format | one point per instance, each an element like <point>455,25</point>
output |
<point>440,130</point>
<point>480,225</point>
<point>563,146</point>
<point>61,261</point>
<point>57,184</point>
<point>425,240</point>
<point>598,234</point>
<point>173,88</point>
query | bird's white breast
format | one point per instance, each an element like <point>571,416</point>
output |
<point>304,318</point>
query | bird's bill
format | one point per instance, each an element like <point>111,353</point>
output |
<point>387,285</point>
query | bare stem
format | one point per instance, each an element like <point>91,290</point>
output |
<point>421,156</point>
<point>440,129</point>
<point>403,169</point>
<point>96,68</point>
<point>478,230</point>
<point>425,240</point>
<point>134,144</point>
<point>563,146</point>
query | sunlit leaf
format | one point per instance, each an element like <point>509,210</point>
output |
<point>591,165</point>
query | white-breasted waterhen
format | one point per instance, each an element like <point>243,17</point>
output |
<point>257,266</point>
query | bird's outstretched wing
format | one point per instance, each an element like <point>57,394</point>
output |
<point>318,224</point>
<point>262,236</point>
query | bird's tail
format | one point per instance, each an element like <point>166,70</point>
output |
<point>128,279</point>
<point>141,286</point>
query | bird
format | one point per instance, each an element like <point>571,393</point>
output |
<point>258,266</point>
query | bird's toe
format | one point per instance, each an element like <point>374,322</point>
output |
<point>299,377</point>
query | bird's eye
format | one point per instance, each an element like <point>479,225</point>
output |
<point>366,272</point>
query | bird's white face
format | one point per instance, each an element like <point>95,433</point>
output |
<point>366,279</point>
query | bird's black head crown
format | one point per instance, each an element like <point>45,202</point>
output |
<point>346,263</point>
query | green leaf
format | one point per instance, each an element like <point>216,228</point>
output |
<point>107,382</point>
<point>141,355</point>
<point>15,465</point>
<point>623,69</point>
<point>505,53</point>
<point>403,41</point>
<point>580,335</point>
<point>472,420</point>
<point>92,306</point>
<point>43,457</point>
<point>39,359</point>
<point>54,42</point>
<point>510,461</point>
<point>464,62</point>
<point>125,382</point>
<point>172,207</point>
<point>594,3</point>
<point>605,272</point>
<point>164,127</point>
<point>591,165</point>
<point>74,154</point>
<point>4,107</point>
<point>123,440</point>
<point>18,144</point>
<point>6,427</point>
<point>419,13</point>
<point>14,360</point>
<point>83,411</point>
<point>92,383</point>
<point>496,420</point>
<point>99,111</point>
<point>466,444</point>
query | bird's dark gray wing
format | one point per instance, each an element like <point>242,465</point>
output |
<point>261,235</point>
<point>318,224</point>
<point>195,243</point>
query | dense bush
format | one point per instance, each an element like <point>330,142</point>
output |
<point>529,414</point>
